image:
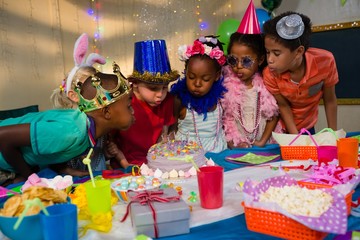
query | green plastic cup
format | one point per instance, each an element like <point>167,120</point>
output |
<point>99,197</point>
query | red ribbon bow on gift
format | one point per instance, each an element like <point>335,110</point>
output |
<point>147,197</point>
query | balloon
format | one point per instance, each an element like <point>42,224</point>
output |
<point>270,5</point>
<point>224,31</point>
<point>262,16</point>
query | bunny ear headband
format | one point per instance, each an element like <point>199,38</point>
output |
<point>80,49</point>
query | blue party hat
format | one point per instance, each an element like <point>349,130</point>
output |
<point>151,63</point>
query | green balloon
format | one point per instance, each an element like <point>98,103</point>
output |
<point>225,29</point>
<point>270,5</point>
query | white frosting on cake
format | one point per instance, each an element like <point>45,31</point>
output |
<point>174,155</point>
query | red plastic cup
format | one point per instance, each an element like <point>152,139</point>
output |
<point>348,152</point>
<point>211,182</point>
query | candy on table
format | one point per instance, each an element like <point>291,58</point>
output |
<point>146,171</point>
<point>58,183</point>
<point>187,175</point>
<point>156,182</point>
<point>190,207</point>
<point>193,197</point>
<point>140,180</point>
<point>133,185</point>
<point>193,171</point>
<point>137,183</point>
<point>179,190</point>
<point>158,173</point>
<point>173,174</point>
<point>165,175</point>
<point>62,182</point>
<point>34,180</point>
<point>171,185</point>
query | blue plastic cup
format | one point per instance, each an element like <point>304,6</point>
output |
<point>61,223</point>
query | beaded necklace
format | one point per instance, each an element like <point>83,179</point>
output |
<point>252,133</point>
<point>217,128</point>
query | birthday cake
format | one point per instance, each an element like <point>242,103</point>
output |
<point>174,158</point>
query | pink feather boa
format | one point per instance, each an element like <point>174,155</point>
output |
<point>234,98</point>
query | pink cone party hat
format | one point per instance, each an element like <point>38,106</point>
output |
<point>249,24</point>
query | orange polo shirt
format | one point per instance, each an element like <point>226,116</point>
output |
<point>304,98</point>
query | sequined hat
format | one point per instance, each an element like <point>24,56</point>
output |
<point>151,63</point>
<point>290,27</point>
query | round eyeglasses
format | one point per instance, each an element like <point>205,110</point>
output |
<point>246,61</point>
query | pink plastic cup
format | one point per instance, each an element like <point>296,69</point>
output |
<point>326,154</point>
<point>211,182</point>
<point>348,152</point>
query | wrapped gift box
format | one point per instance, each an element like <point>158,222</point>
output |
<point>172,217</point>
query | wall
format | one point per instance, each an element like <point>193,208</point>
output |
<point>348,118</point>
<point>37,37</point>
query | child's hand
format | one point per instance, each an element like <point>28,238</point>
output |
<point>112,148</point>
<point>125,164</point>
<point>259,144</point>
<point>243,145</point>
<point>231,145</point>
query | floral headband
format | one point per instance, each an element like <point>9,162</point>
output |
<point>199,47</point>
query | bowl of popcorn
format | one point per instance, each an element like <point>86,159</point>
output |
<point>30,227</point>
<point>133,183</point>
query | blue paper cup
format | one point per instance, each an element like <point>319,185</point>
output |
<point>61,223</point>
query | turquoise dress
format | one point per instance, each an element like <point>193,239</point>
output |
<point>56,136</point>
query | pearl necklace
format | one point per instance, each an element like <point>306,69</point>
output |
<point>217,128</point>
<point>251,134</point>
